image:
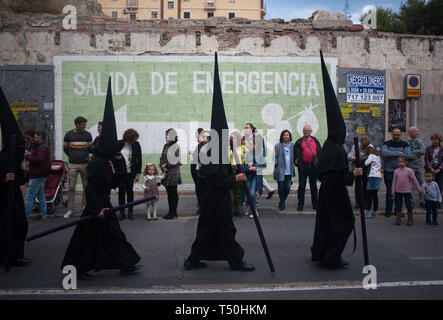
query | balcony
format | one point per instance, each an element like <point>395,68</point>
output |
<point>210,5</point>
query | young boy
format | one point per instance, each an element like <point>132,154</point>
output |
<point>402,188</point>
<point>432,196</point>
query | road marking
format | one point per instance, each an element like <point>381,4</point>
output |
<point>346,285</point>
<point>426,258</point>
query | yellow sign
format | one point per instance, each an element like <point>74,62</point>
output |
<point>24,106</point>
<point>361,130</point>
<point>346,109</point>
<point>363,108</point>
<point>413,93</point>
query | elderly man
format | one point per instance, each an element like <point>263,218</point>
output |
<point>417,151</point>
<point>390,151</point>
<point>307,149</point>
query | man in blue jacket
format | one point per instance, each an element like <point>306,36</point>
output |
<point>390,151</point>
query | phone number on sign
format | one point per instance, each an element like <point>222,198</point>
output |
<point>365,98</point>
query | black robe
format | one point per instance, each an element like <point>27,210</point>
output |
<point>215,238</point>
<point>99,244</point>
<point>335,219</point>
<point>19,221</point>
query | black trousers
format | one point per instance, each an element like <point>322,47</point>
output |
<point>126,190</point>
<point>196,182</point>
<point>371,197</point>
<point>172,199</point>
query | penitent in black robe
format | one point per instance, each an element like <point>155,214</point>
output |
<point>19,221</point>
<point>215,238</point>
<point>335,219</point>
<point>99,244</point>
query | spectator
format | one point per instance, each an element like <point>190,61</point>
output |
<point>194,150</point>
<point>94,146</point>
<point>307,150</point>
<point>373,162</point>
<point>364,144</point>
<point>29,138</point>
<point>132,153</point>
<point>432,196</point>
<point>390,152</point>
<point>417,151</point>
<point>39,164</point>
<point>170,166</point>
<point>434,158</point>
<point>284,169</point>
<point>402,189</point>
<point>235,192</point>
<point>77,144</point>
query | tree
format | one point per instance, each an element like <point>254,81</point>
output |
<point>413,15</point>
<point>388,20</point>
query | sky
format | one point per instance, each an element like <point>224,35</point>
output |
<point>291,9</point>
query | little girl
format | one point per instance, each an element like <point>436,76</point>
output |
<point>402,189</point>
<point>150,176</point>
<point>374,181</point>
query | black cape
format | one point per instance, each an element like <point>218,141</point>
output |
<point>99,243</point>
<point>216,232</point>
<point>19,221</point>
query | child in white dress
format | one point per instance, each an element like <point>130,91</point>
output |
<point>150,176</point>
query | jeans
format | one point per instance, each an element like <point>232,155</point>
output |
<point>431,209</point>
<point>304,172</point>
<point>284,187</point>
<point>389,178</point>
<point>251,181</point>
<point>36,189</point>
<point>399,201</point>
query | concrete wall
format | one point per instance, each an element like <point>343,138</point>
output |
<point>36,40</point>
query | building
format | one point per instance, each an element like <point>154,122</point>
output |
<point>183,9</point>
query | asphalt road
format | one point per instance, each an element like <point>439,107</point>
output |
<point>408,261</point>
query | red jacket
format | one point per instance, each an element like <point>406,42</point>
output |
<point>39,161</point>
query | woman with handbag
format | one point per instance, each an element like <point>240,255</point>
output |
<point>307,149</point>
<point>284,169</point>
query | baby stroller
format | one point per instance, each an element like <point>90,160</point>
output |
<point>57,177</point>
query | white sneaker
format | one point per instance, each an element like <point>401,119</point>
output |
<point>68,214</point>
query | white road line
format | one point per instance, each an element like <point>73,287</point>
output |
<point>426,258</point>
<point>282,288</point>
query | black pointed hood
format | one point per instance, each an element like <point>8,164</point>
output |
<point>218,118</point>
<point>99,170</point>
<point>9,126</point>
<point>108,140</point>
<point>332,156</point>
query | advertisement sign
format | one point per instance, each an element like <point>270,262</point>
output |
<point>365,89</point>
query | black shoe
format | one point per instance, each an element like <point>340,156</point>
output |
<point>170,216</point>
<point>242,266</point>
<point>435,223</point>
<point>270,194</point>
<point>130,216</point>
<point>236,214</point>
<point>299,208</point>
<point>193,264</point>
<point>85,276</point>
<point>344,263</point>
<point>130,270</point>
<point>314,207</point>
<point>281,206</point>
<point>122,216</point>
<point>21,263</point>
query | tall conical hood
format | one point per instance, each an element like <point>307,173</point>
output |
<point>8,124</point>
<point>218,118</point>
<point>336,124</point>
<point>108,139</point>
<point>332,156</point>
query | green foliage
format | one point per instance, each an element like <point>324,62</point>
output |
<point>414,17</point>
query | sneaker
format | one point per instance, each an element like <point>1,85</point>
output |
<point>41,218</point>
<point>68,214</point>
<point>270,194</point>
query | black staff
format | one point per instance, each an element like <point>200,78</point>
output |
<point>83,219</point>
<point>253,210</point>
<point>11,204</point>
<point>360,198</point>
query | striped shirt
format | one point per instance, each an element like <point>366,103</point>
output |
<point>77,146</point>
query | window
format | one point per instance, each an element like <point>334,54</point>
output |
<point>132,17</point>
<point>115,14</point>
<point>154,15</point>
<point>187,15</point>
<point>231,0</point>
<point>231,15</point>
<point>210,14</point>
<point>170,4</point>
